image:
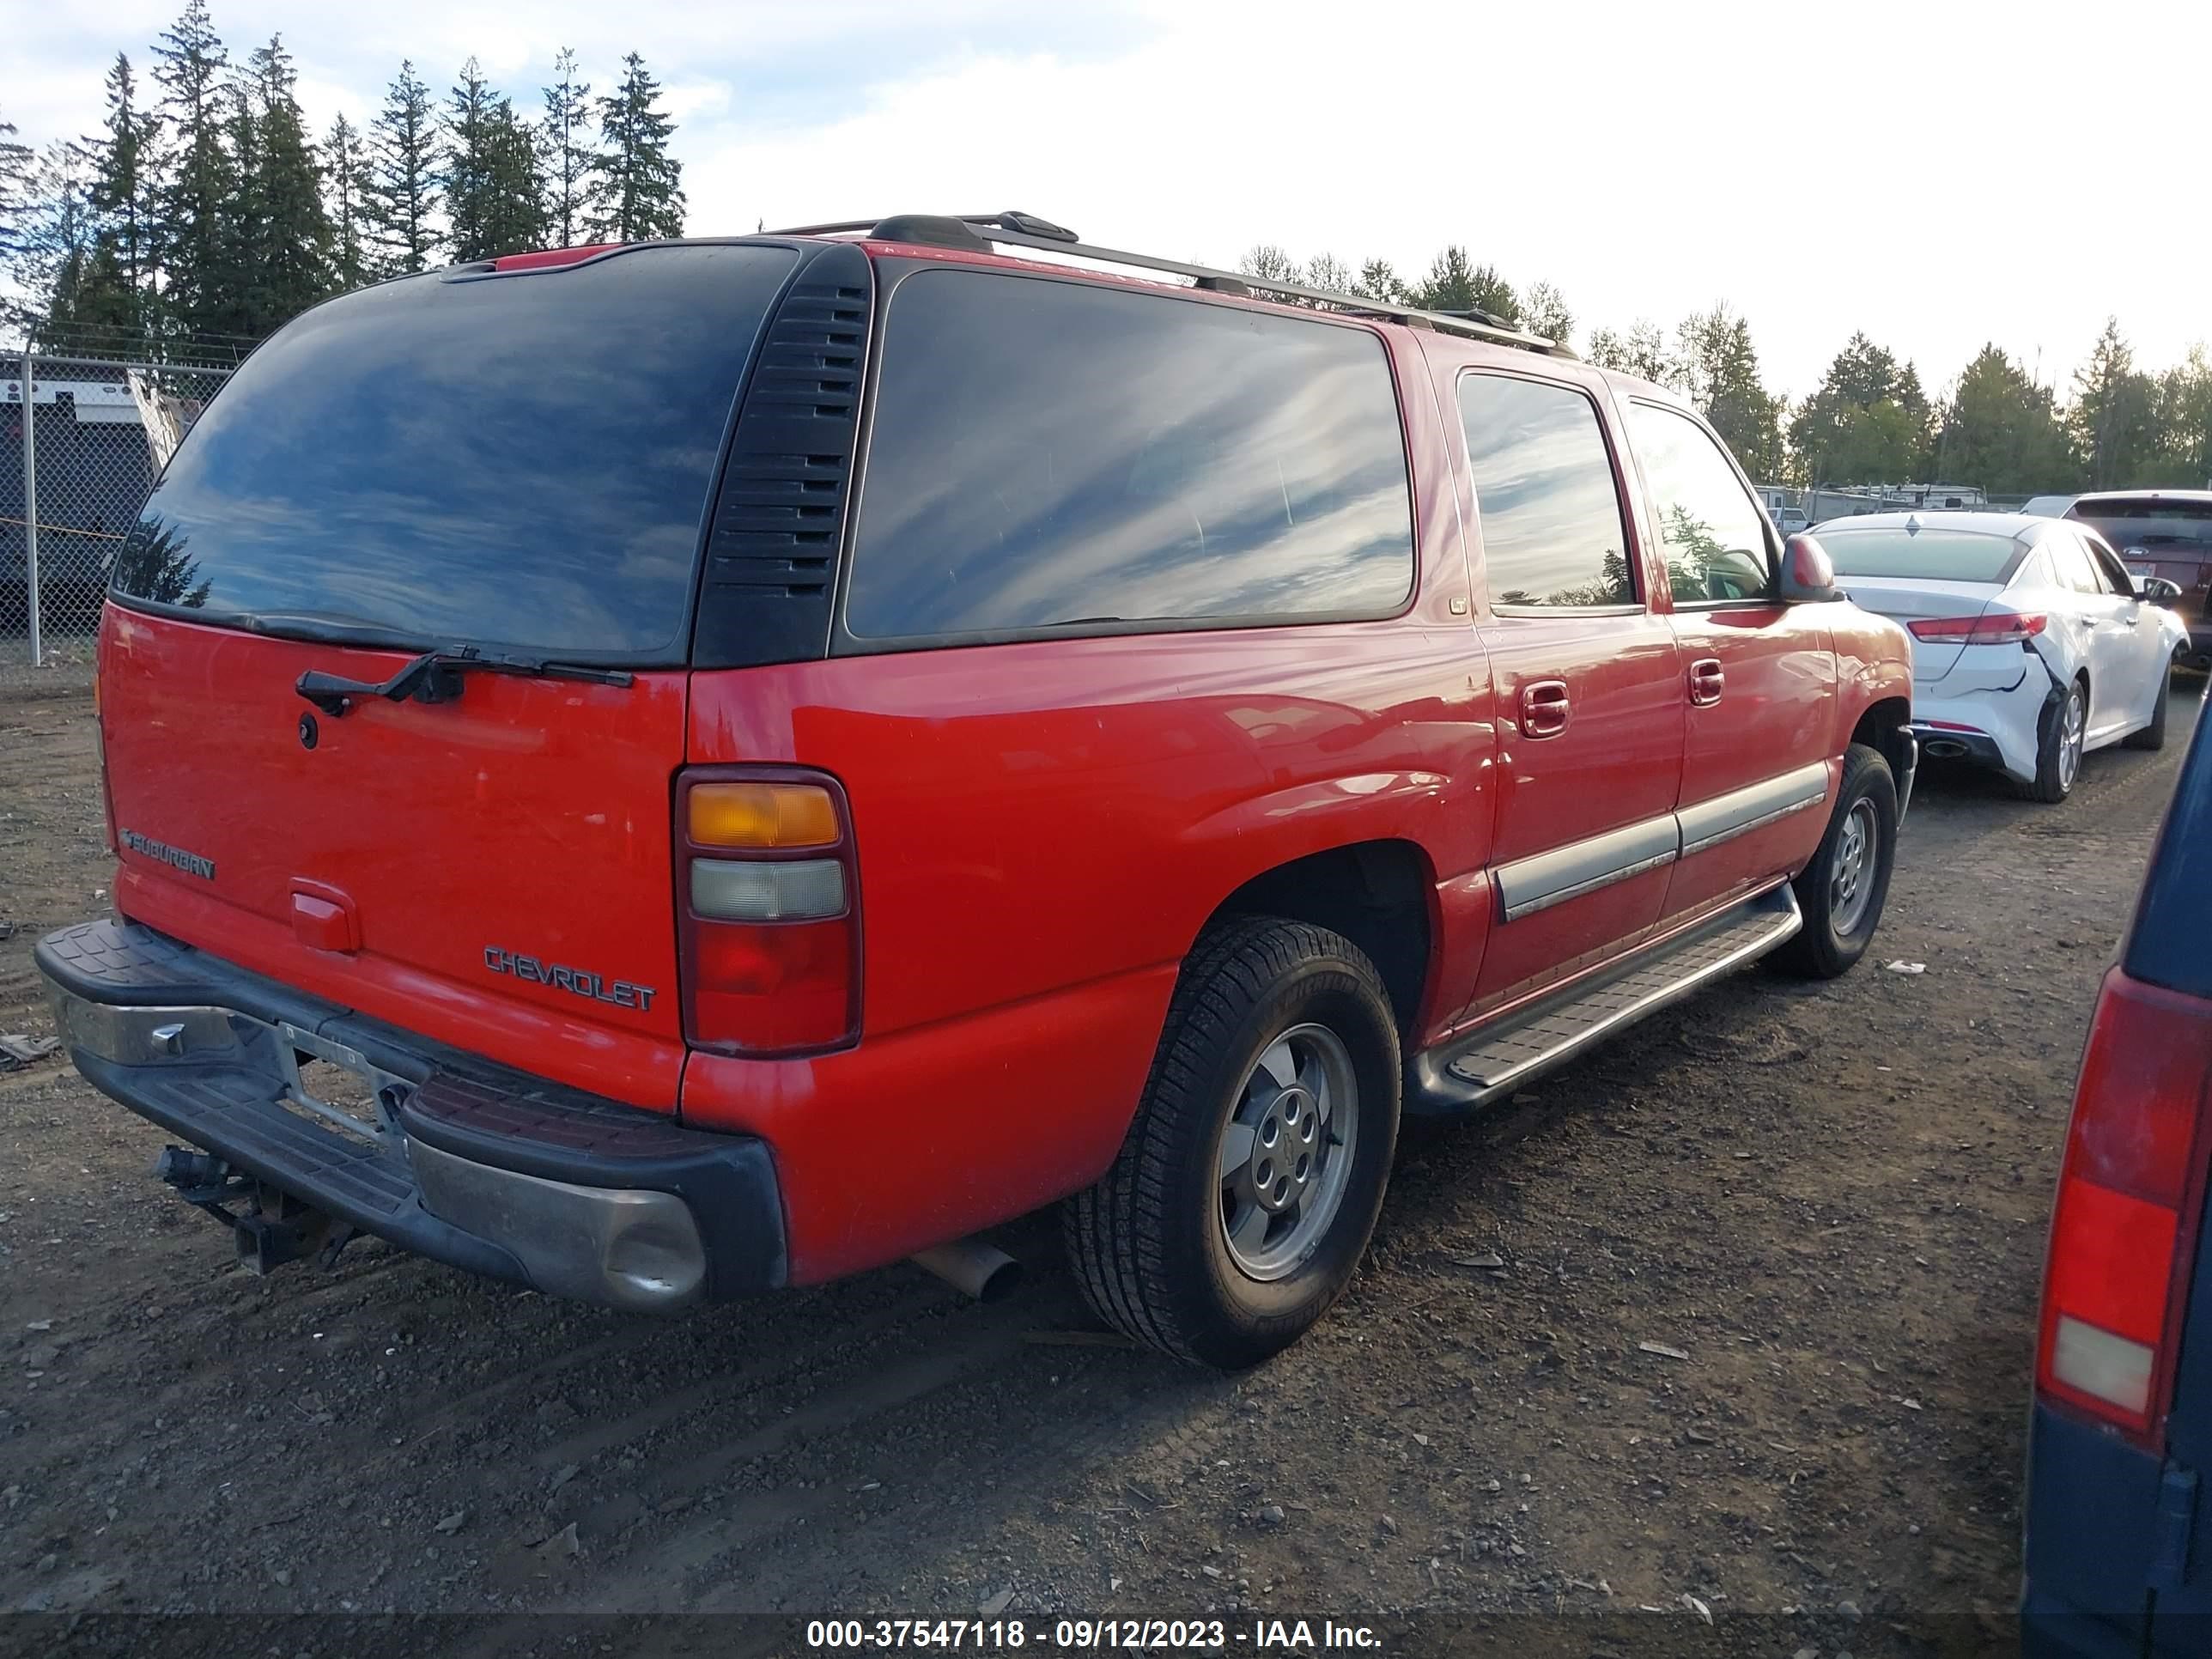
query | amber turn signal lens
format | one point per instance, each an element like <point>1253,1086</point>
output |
<point>761,815</point>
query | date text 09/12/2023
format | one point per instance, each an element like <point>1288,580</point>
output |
<point>1289,1636</point>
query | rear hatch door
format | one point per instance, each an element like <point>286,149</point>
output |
<point>515,465</point>
<point>2160,536</point>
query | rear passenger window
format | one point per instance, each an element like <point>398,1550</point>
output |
<point>1544,494</point>
<point>2074,567</point>
<point>1052,455</point>
<point>1711,530</point>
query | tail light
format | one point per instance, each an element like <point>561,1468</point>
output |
<point>1992,627</point>
<point>99,748</point>
<point>768,901</point>
<point>2124,1233</point>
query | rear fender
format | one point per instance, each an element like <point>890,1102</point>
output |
<point>2064,645</point>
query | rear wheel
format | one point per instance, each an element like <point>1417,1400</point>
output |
<point>1245,1192</point>
<point>2058,750</point>
<point>1841,892</point>
<point>2154,735</point>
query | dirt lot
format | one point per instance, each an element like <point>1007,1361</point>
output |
<point>1829,1201</point>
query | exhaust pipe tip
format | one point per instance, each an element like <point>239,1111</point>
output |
<point>975,1269</point>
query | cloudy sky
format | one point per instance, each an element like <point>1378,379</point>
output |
<point>1937,173</point>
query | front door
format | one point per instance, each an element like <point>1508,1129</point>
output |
<point>1757,676</point>
<point>2130,653</point>
<point>1587,681</point>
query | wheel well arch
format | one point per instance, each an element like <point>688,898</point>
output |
<point>1881,727</point>
<point>1378,894</point>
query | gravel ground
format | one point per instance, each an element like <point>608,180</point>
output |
<point>1731,1322</point>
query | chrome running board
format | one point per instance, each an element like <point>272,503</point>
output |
<point>1474,1070</point>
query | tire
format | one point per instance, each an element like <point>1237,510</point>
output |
<point>2153,737</point>
<point>1150,1243</point>
<point>1842,892</point>
<point>2054,777</point>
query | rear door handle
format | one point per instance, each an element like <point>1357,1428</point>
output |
<point>1544,708</point>
<point>1707,681</point>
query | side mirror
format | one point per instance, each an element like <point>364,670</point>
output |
<point>2157,590</point>
<point>1808,576</point>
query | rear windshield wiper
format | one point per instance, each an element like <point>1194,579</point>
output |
<point>436,677</point>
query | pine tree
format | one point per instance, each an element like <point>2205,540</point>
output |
<point>1868,422</point>
<point>201,180</point>
<point>347,191</point>
<point>55,244</point>
<point>1999,430</point>
<point>14,193</point>
<point>1494,295</point>
<point>2184,422</point>
<point>232,302</point>
<point>287,233</point>
<point>1718,367</point>
<point>514,200</point>
<point>2112,414</point>
<point>493,189</point>
<point>1449,285</point>
<point>1456,284</point>
<point>123,192</point>
<point>636,192</point>
<point>567,151</point>
<point>403,151</point>
<point>467,167</point>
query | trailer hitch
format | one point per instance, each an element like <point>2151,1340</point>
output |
<point>272,1228</point>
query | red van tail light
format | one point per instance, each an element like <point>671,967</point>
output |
<point>1992,628</point>
<point>2123,1232</point>
<point>768,901</point>
<point>99,748</point>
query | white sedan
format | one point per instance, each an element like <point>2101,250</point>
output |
<point>2032,644</point>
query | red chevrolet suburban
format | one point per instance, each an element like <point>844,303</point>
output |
<point>659,772</point>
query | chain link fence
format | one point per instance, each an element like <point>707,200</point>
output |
<point>82,438</point>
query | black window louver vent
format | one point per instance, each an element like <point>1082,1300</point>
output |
<point>771,567</point>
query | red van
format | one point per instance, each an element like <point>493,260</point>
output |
<point>664,771</point>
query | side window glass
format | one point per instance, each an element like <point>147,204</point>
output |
<point>1053,454</point>
<point>2111,574</point>
<point>2074,566</point>
<point>1545,495</point>
<point>1711,531</point>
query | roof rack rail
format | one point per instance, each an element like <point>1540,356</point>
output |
<point>978,231</point>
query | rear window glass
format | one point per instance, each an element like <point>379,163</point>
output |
<point>2186,525</point>
<point>1950,556</point>
<point>519,461</point>
<point>1050,454</point>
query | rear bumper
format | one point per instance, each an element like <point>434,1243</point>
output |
<point>1999,728</point>
<point>460,1160</point>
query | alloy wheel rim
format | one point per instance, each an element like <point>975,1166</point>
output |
<point>1850,886</point>
<point>1284,1156</point>
<point>2069,740</point>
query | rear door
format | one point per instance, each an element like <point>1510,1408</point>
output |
<point>2167,534</point>
<point>513,462</point>
<point>1759,676</point>
<point>1587,681</point>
